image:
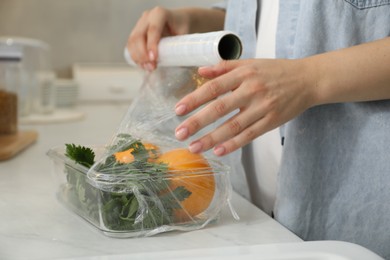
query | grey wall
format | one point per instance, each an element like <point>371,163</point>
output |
<point>79,30</point>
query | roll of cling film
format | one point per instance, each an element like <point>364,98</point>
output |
<point>200,49</point>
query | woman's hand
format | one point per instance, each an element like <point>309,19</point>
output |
<point>154,24</point>
<point>159,22</point>
<point>268,93</point>
<point>265,94</point>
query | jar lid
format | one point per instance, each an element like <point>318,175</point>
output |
<point>10,53</point>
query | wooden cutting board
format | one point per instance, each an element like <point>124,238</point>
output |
<point>12,144</point>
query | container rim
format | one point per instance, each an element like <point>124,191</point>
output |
<point>57,154</point>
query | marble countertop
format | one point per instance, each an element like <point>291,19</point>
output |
<point>34,225</point>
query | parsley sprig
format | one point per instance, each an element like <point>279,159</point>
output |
<point>82,155</point>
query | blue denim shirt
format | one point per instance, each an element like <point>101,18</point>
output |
<point>334,179</point>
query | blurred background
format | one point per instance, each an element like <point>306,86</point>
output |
<point>79,30</point>
<point>55,54</point>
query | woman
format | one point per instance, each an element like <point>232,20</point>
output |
<point>329,89</point>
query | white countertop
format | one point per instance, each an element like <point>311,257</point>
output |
<point>34,225</point>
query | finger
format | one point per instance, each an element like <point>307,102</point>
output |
<point>222,67</point>
<point>137,40</point>
<point>136,49</point>
<point>209,91</point>
<point>151,47</point>
<point>207,115</point>
<point>229,129</point>
<point>154,34</point>
<point>238,99</point>
<point>247,115</point>
<point>155,30</point>
<point>245,137</point>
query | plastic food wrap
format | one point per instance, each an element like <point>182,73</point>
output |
<point>144,181</point>
<point>199,49</point>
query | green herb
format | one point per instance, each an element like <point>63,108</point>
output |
<point>138,196</point>
<point>82,155</point>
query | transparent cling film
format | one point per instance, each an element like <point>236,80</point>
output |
<point>144,181</point>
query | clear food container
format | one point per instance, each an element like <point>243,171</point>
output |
<point>140,204</point>
<point>145,181</point>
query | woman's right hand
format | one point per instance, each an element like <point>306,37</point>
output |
<point>154,24</point>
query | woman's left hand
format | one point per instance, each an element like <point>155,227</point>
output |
<point>265,93</point>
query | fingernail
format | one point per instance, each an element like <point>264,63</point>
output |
<point>151,56</point>
<point>181,133</point>
<point>219,150</point>
<point>149,66</point>
<point>180,109</point>
<point>195,147</point>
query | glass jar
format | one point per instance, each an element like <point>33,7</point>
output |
<point>26,67</point>
<point>8,96</point>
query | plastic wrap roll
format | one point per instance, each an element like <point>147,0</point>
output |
<point>200,49</point>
